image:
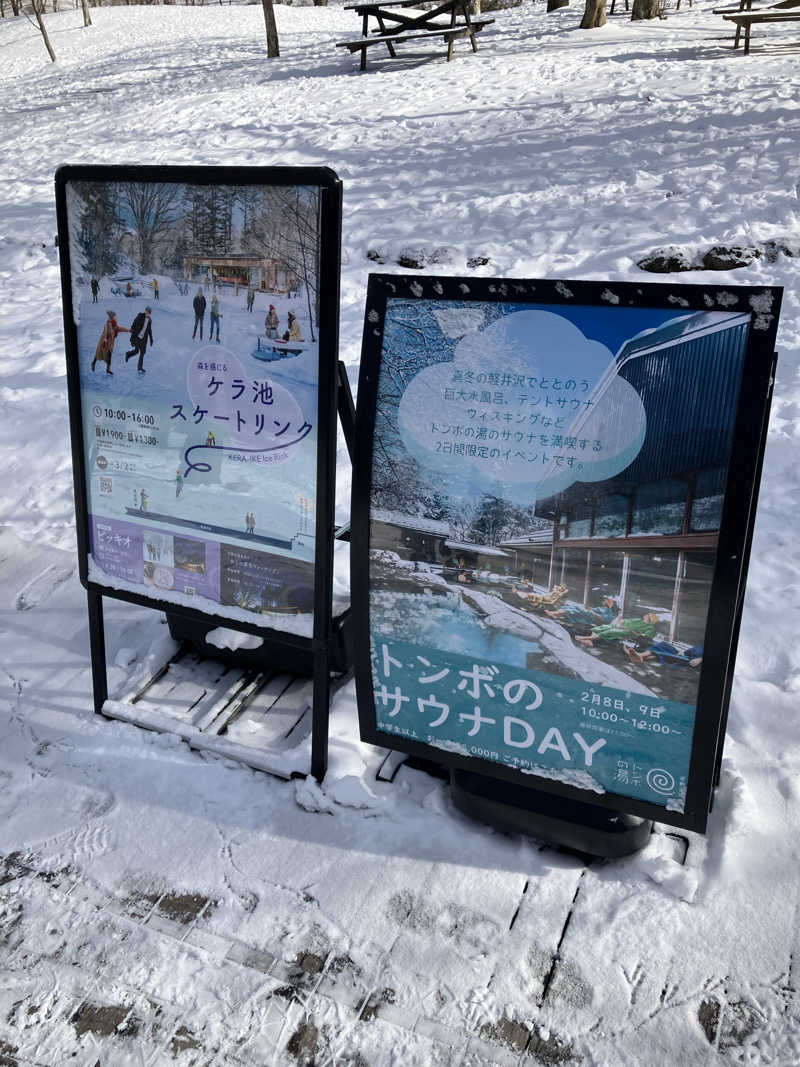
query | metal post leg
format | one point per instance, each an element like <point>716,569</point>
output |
<point>320,715</point>
<point>347,409</point>
<point>97,647</point>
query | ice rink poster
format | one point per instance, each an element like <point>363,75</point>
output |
<point>196,309</point>
<point>546,492</point>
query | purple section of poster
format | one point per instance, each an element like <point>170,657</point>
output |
<point>156,559</point>
<point>260,581</point>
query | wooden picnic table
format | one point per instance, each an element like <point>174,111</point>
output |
<point>747,20</point>
<point>744,17</point>
<point>747,5</point>
<point>449,20</point>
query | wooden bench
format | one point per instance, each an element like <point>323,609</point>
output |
<point>402,20</point>
<point>747,5</point>
<point>747,19</point>
<point>448,33</point>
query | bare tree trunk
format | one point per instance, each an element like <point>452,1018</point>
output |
<point>272,29</point>
<point>594,14</point>
<point>320,3</point>
<point>645,9</point>
<point>37,10</point>
<point>15,6</point>
<point>87,18</point>
<point>554,5</point>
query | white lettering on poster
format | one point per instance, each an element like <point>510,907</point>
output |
<point>520,734</point>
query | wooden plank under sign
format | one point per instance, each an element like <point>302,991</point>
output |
<point>194,690</point>
<point>257,718</point>
<point>273,714</point>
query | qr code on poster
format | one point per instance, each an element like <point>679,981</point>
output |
<point>106,485</point>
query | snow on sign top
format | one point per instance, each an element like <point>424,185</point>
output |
<point>586,443</point>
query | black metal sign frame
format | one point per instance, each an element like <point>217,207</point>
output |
<point>330,400</point>
<point>761,305</point>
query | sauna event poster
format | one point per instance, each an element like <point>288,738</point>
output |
<point>199,419</point>
<point>547,488</point>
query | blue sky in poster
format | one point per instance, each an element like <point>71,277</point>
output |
<point>613,326</point>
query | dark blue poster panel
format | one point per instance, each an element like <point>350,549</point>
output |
<point>196,309</point>
<point>547,489</point>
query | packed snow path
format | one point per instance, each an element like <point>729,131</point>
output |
<point>165,906</point>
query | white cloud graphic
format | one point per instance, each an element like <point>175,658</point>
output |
<point>527,407</point>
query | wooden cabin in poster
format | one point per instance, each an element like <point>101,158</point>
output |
<point>240,270</point>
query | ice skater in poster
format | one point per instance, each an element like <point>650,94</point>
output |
<point>141,333</point>
<point>105,346</point>
<point>216,315</point>
<point>199,306</point>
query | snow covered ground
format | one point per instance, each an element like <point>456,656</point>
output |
<point>159,905</point>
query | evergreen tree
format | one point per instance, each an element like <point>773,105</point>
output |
<point>250,199</point>
<point>174,260</point>
<point>100,227</point>
<point>211,212</point>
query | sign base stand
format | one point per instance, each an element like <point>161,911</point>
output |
<point>273,653</point>
<point>562,821</point>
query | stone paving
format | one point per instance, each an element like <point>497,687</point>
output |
<point>114,1022</point>
<point>315,1009</point>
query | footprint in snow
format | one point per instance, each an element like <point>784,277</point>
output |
<point>42,586</point>
<point>92,841</point>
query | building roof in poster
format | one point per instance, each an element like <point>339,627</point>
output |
<point>411,522</point>
<point>229,257</point>
<point>481,550</point>
<point>536,537</point>
<point>679,330</point>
